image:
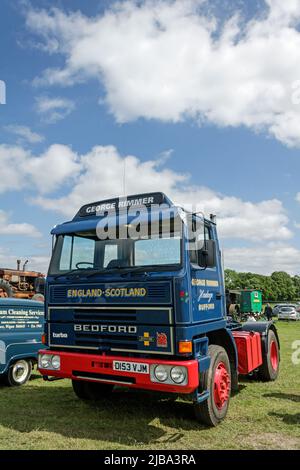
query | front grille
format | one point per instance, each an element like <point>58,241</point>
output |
<point>112,328</point>
<point>107,314</point>
<point>58,293</point>
<point>158,291</point>
<point>106,341</point>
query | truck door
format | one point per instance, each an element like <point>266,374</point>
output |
<point>206,278</point>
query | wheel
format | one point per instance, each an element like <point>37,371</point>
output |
<point>91,390</point>
<point>269,369</point>
<point>217,381</point>
<point>19,373</point>
<point>5,289</point>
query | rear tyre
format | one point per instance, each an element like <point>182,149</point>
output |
<point>217,381</point>
<point>91,390</point>
<point>5,289</point>
<point>269,369</point>
<point>19,373</point>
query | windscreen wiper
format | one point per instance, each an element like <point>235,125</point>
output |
<point>73,271</point>
<point>144,269</point>
<point>125,270</point>
<point>135,269</point>
<point>106,270</point>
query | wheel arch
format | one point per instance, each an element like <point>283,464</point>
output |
<point>225,339</point>
<point>19,357</point>
<point>263,328</point>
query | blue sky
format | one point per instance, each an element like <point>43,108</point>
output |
<point>187,93</point>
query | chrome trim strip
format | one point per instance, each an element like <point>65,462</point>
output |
<point>74,347</point>
<point>137,351</point>
<point>90,379</point>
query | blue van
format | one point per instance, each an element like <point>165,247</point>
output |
<point>21,329</point>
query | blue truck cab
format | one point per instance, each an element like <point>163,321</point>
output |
<point>135,297</point>
<point>21,329</point>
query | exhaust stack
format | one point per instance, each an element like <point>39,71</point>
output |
<point>24,265</point>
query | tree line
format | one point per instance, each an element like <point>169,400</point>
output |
<point>279,286</point>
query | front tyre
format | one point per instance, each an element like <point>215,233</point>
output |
<point>269,369</point>
<point>19,373</point>
<point>91,390</point>
<point>217,381</point>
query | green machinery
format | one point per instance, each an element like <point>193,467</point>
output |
<point>251,301</point>
<point>244,301</point>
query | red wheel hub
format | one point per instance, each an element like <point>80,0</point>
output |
<point>274,355</point>
<point>221,385</point>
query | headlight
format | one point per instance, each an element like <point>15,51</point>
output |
<point>178,374</point>
<point>45,361</point>
<point>55,362</point>
<point>161,374</point>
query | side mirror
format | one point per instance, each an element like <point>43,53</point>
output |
<point>207,255</point>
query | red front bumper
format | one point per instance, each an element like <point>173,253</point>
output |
<point>97,368</point>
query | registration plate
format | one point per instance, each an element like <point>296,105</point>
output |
<point>136,367</point>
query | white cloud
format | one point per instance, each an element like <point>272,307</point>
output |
<point>55,166</point>
<point>38,263</point>
<point>99,173</point>
<point>12,157</point>
<point>169,60</point>
<point>101,176</point>
<point>45,172</point>
<point>54,109</point>
<point>264,259</point>
<point>8,228</point>
<point>25,133</point>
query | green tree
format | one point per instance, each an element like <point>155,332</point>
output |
<point>280,286</point>
<point>285,285</point>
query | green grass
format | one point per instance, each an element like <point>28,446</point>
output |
<point>48,416</point>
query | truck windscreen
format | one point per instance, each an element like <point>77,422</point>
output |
<point>84,250</point>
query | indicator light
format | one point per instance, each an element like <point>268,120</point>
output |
<point>185,347</point>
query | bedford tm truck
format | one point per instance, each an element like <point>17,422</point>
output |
<point>135,297</point>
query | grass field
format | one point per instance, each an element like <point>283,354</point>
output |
<point>48,416</point>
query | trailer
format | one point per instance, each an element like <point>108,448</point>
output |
<point>135,298</point>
